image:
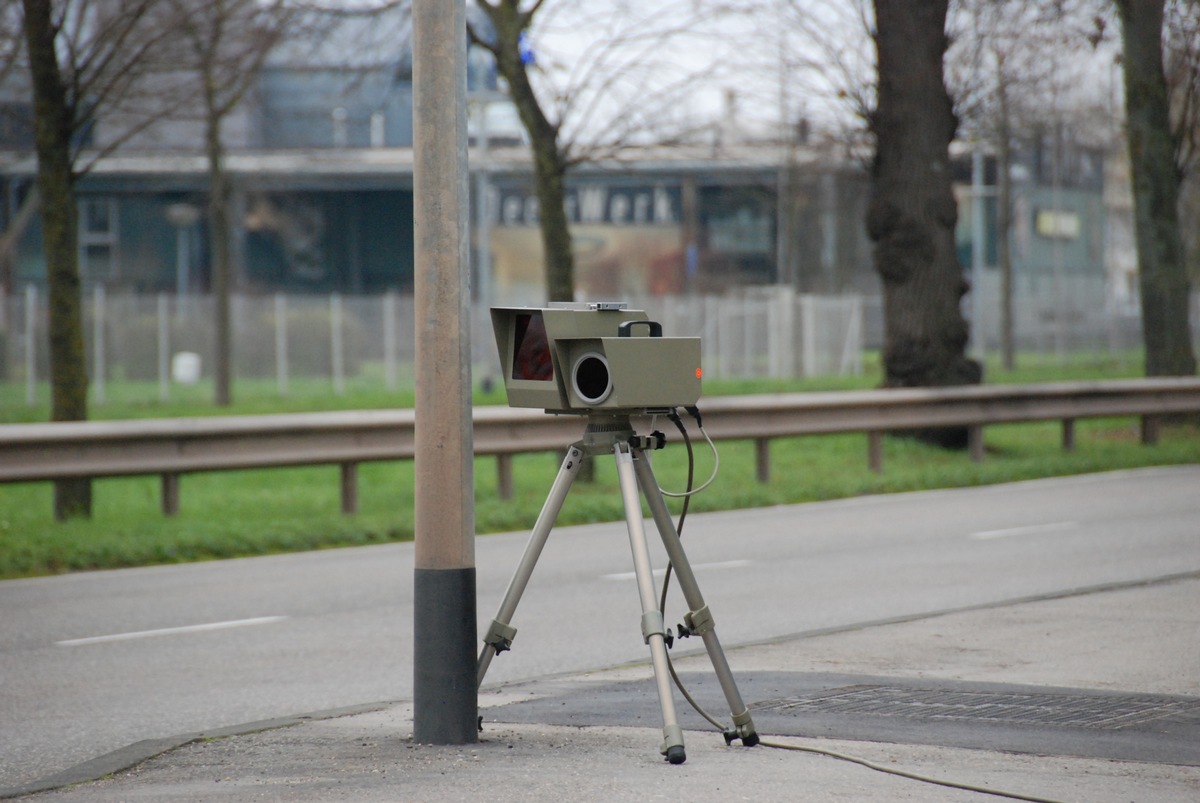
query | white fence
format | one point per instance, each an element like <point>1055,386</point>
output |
<point>161,339</point>
<point>761,332</point>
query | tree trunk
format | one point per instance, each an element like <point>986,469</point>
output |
<point>912,213</point>
<point>218,224</point>
<point>53,126</point>
<point>549,164</point>
<point>549,174</point>
<point>1162,269</point>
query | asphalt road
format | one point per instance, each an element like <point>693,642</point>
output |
<point>92,662</point>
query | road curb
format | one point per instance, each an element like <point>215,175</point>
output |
<point>134,754</point>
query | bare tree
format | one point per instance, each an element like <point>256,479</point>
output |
<point>226,43</point>
<point>622,86</point>
<point>510,24</point>
<point>1153,149</point>
<point>82,57</point>
<point>1010,61</point>
<point>912,213</point>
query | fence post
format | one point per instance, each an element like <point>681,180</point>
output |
<point>335,343</point>
<point>808,334</point>
<point>281,350</point>
<point>164,346</point>
<point>389,339</point>
<point>98,344</point>
<point>31,305</point>
<point>851,362</point>
<point>780,330</point>
<point>4,366</point>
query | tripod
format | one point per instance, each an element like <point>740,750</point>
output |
<point>614,434</point>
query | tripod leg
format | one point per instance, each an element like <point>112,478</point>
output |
<point>653,628</point>
<point>698,619</point>
<point>500,633</point>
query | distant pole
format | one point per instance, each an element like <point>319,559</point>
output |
<point>978,254</point>
<point>445,701</point>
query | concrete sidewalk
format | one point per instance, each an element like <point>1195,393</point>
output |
<point>1091,697</point>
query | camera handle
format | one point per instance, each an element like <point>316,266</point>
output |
<point>626,328</point>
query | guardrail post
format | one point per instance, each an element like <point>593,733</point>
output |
<point>349,488</point>
<point>504,479</point>
<point>170,494</point>
<point>1150,430</point>
<point>875,451</point>
<point>975,442</point>
<point>762,459</point>
<point>1068,434</point>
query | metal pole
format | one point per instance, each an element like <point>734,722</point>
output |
<point>445,700</point>
<point>389,339</point>
<point>281,343</point>
<point>99,369</point>
<point>978,255</point>
<point>335,344</point>
<point>31,312</point>
<point>164,348</point>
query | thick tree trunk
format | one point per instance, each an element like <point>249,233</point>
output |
<point>56,185</point>
<point>549,166</point>
<point>1162,268</point>
<point>913,212</point>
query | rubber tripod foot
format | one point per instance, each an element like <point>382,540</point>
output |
<point>676,754</point>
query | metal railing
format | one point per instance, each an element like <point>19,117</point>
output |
<point>171,448</point>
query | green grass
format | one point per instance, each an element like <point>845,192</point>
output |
<point>227,514</point>
<point>134,399</point>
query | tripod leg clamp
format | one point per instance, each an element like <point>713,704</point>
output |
<point>500,636</point>
<point>653,625</point>
<point>699,622</point>
<point>743,728</point>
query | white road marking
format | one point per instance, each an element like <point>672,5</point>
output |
<point>171,631</point>
<point>696,567</point>
<point>1031,529</point>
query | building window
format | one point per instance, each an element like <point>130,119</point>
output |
<point>98,239</point>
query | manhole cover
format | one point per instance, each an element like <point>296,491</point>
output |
<point>1075,711</point>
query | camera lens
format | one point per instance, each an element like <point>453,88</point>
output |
<point>591,379</point>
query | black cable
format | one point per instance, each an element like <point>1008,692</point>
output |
<point>687,499</point>
<point>662,605</point>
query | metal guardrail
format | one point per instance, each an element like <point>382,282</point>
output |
<point>174,447</point>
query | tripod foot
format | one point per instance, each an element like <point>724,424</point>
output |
<point>743,728</point>
<point>672,745</point>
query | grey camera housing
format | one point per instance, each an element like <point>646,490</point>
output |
<point>593,357</point>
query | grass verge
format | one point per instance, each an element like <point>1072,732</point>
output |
<point>231,514</point>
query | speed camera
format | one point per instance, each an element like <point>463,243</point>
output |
<point>585,357</point>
